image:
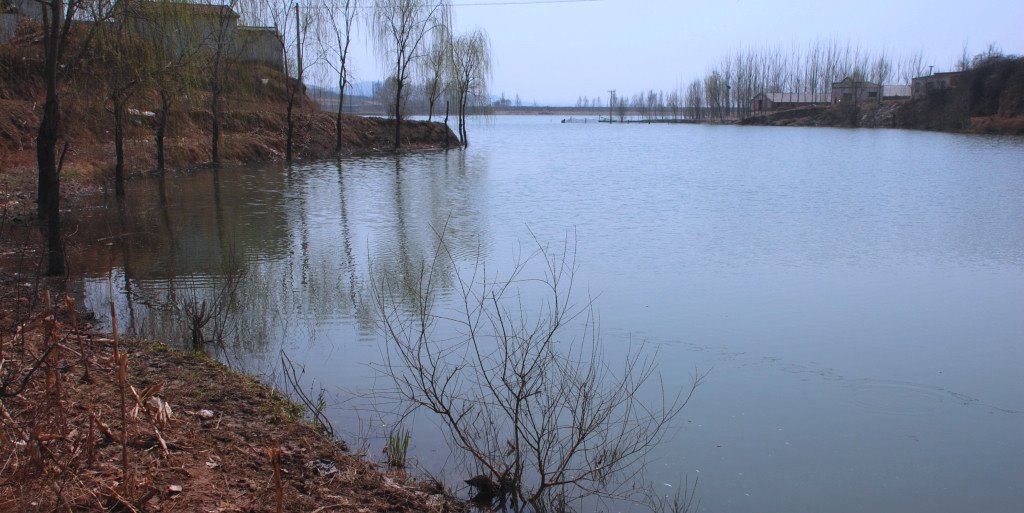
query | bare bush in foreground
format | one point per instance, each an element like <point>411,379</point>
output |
<point>541,411</point>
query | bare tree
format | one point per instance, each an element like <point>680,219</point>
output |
<point>715,93</point>
<point>126,61</point>
<point>400,28</point>
<point>541,412</point>
<point>695,99</point>
<point>342,15</point>
<point>170,33</point>
<point>622,107</point>
<point>471,70</point>
<point>58,18</point>
<point>292,24</point>
<point>219,39</point>
<point>435,68</point>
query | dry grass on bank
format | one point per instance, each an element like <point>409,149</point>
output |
<point>253,125</point>
<point>92,423</point>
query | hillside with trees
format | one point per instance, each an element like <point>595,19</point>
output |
<point>138,85</point>
<point>174,109</point>
<point>988,99</point>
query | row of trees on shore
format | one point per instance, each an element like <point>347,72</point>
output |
<point>138,50</point>
<point>726,88</point>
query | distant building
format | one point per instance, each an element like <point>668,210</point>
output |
<point>767,102</point>
<point>182,23</point>
<point>895,92</point>
<point>212,26</point>
<point>855,91</point>
<point>260,44</point>
<point>182,26</point>
<point>13,11</point>
<point>27,8</point>
<point>8,25</point>
<point>921,86</point>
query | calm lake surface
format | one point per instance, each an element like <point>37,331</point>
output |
<point>858,295</point>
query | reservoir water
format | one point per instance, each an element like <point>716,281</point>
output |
<point>857,295</point>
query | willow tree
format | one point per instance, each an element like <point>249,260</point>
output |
<point>219,41</point>
<point>125,63</point>
<point>292,25</point>
<point>170,31</point>
<point>342,16</point>
<point>471,70</point>
<point>435,68</point>
<point>400,29</point>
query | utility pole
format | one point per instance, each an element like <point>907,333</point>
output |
<point>611,103</point>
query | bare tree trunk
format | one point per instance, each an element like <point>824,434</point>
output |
<point>291,129</point>
<point>215,114</point>
<point>341,108</point>
<point>119,145</point>
<point>463,133</point>
<point>46,144</point>
<point>398,114</point>
<point>49,126</point>
<point>296,88</point>
<point>447,130</point>
<point>161,129</point>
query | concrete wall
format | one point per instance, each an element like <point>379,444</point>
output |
<point>259,44</point>
<point>923,85</point>
<point>29,8</point>
<point>857,92</point>
<point>8,26</point>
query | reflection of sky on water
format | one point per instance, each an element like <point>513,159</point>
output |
<point>856,292</point>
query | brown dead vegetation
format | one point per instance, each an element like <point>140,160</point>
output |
<point>253,130</point>
<point>89,422</point>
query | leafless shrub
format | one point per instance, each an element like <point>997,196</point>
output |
<point>682,501</point>
<point>543,413</point>
<point>205,308</point>
<point>317,408</point>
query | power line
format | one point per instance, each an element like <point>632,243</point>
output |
<point>498,3</point>
<point>522,2</point>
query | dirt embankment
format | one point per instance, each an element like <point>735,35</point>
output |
<point>253,126</point>
<point>874,115</point>
<point>988,99</point>
<point>153,429</point>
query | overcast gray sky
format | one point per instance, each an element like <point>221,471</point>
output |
<point>555,52</point>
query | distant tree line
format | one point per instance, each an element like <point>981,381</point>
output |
<point>727,87</point>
